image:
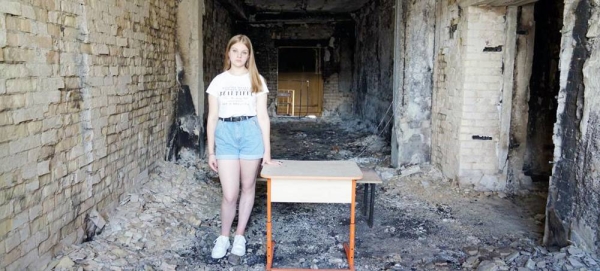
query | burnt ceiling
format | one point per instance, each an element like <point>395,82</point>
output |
<point>305,6</point>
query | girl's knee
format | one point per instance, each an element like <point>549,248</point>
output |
<point>230,199</point>
<point>249,188</point>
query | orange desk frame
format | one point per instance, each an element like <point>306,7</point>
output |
<point>312,170</point>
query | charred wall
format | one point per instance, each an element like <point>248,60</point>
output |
<point>265,53</point>
<point>217,28</point>
<point>543,89</point>
<point>373,55</point>
<point>413,89</point>
<point>187,131</point>
<point>86,97</point>
<point>573,213</point>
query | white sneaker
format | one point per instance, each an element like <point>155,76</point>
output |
<point>239,246</point>
<point>220,248</point>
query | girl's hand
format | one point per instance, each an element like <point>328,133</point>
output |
<point>212,162</point>
<point>267,161</point>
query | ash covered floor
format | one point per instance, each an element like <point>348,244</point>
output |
<point>422,221</point>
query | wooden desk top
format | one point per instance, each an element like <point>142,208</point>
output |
<point>331,170</point>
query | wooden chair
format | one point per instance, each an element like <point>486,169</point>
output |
<point>285,98</point>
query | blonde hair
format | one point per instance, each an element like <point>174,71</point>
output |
<point>250,64</point>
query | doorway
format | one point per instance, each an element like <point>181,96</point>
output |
<point>544,88</point>
<point>299,80</point>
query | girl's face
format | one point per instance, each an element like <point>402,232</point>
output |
<point>238,55</point>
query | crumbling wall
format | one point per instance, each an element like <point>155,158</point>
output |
<point>187,132</point>
<point>338,65</point>
<point>190,46</point>
<point>572,213</point>
<point>86,96</point>
<point>468,106</point>
<point>373,58</point>
<point>413,89</point>
<point>447,95</point>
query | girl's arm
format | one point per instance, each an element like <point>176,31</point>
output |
<point>265,126</point>
<point>211,124</point>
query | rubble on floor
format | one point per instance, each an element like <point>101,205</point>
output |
<point>422,221</point>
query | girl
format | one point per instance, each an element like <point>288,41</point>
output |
<point>238,136</point>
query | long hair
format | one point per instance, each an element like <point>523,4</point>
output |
<point>250,64</point>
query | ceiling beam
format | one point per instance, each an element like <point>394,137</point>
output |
<point>496,3</point>
<point>294,17</point>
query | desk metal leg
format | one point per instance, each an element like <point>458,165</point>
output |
<point>269,237</point>
<point>371,204</point>
<point>366,199</point>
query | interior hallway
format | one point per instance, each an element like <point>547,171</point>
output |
<point>422,221</point>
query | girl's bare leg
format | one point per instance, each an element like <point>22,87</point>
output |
<point>229,175</point>
<point>249,169</point>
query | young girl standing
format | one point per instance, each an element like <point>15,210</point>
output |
<point>238,136</point>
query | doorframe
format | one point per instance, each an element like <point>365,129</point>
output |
<point>318,71</point>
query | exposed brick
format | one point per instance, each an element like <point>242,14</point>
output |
<point>24,233</point>
<point>12,162</point>
<point>42,262</point>
<point>46,101</point>
<point>2,251</point>
<point>28,172</point>
<point>20,220</point>
<point>5,211</point>
<point>32,186</point>
<point>28,249</point>
<point>28,12</point>
<point>49,243</point>
<point>34,127</point>
<point>13,71</point>
<point>10,102</point>
<point>51,123</point>
<point>25,143</point>
<point>12,241</point>
<point>3,37</point>
<point>11,7</point>
<point>40,223</point>
<point>21,85</point>
<point>47,97</point>
<point>11,257</point>
<point>27,114</point>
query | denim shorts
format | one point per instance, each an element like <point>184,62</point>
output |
<point>239,140</point>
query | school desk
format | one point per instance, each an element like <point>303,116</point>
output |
<point>312,182</point>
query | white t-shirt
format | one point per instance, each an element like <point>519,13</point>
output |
<point>234,93</point>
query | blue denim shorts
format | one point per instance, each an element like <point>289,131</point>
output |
<point>239,140</point>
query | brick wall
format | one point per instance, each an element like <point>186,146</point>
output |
<point>86,96</point>
<point>335,100</point>
<point>467,94</point>
<point>483,41</point>
<point>447,97</point>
